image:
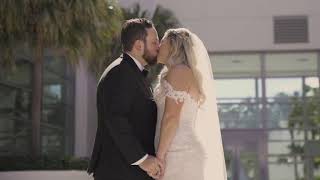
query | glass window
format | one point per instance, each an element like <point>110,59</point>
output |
<point>285,147</point>
<point>284,115</point>
<point>285,169</point>
<point>235,65</point>
<point>235,88</point>
<point>50,77</point>
<point>291,64</point>
<point>287,111</point>
<point>230,162</point>
<point>15,95</point>
<point>249,164</point>
<point>55,64</point>
<point>20,75</point>
<point>52,140</point>
<point>284,108</point>
<point>15,108</point>
<point>52,94</point>
<point>283,87</point>
<point>312,86</point>
<point>312,82</point>
<point>234,115</point>
<point>14,121</point>
<point>313,133</point>
<point>285,135</point>
<point>238,107</point>
<point>57,107</point>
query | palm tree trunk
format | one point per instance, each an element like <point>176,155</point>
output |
<point>37,97</point>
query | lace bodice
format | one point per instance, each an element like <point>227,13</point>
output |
<point>185,138</point>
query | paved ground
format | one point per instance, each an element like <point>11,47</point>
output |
<point>44,175</point>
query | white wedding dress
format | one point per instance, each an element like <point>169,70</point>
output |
<point>185,157</point>
<point>196,152</point>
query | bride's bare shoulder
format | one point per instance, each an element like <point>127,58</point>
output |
<point>179,76</point>
<point>179,72</point>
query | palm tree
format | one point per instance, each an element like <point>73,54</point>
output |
<point>164,19</point>
<point>74,27</point>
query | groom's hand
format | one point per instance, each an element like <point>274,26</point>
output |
<point>152,166</point>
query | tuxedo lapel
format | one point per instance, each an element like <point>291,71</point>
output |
<point>127,59</point>
<point>141,81</point>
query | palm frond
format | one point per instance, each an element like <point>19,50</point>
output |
<point>81,27</point>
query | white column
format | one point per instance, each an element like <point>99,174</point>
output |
<point>85,111</point>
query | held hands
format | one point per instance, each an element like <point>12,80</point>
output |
<point>153,166</point>
<point>164,167</point>
<point>161,158</point>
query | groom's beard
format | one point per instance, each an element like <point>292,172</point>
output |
<point>150,59</point>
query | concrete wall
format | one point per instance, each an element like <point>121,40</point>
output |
<point>245,25</point>
<point>45,175</point>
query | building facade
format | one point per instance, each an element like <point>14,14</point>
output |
<point>57,107</point>
<point>266,62</point>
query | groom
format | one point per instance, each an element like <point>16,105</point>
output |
<point>127,114</point>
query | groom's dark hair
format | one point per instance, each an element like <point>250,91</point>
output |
<point>132,30</point>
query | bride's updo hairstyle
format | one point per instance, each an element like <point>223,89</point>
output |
<point>180,43</point>
<point>182,52</point>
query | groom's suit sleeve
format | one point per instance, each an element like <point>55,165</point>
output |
<point>118,97</point>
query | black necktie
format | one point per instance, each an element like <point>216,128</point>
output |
<point>145,72</point>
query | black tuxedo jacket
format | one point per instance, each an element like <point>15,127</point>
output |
<point>127,117</point>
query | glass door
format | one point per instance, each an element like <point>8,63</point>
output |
<point>242,156</point>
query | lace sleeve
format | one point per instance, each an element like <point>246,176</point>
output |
<point>178,96</point>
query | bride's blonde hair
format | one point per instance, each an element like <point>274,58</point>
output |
<point>181,52</point>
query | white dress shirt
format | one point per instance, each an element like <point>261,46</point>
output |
<point>137,62</point>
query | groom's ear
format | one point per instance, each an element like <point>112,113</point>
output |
<point>138,45</point>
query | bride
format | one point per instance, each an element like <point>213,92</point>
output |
<point>188,137</point>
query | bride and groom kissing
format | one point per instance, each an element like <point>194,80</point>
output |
<point>170,132</point>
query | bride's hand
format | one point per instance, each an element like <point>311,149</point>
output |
<point>163,167</point>
<point>158,174</point>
